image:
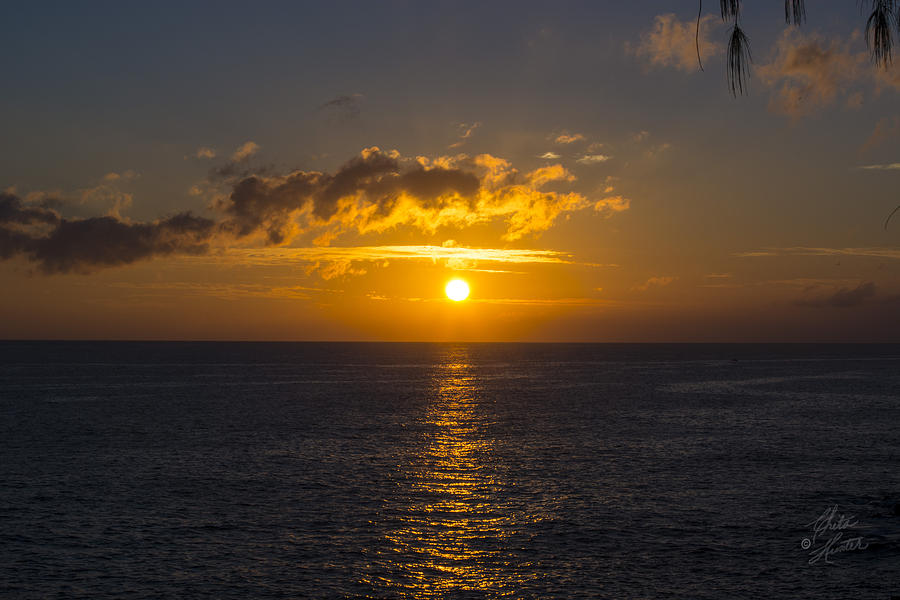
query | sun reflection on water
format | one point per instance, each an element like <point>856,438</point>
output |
<point>452,529</point>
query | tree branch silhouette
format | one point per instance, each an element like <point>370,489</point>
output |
<point>879,34</point>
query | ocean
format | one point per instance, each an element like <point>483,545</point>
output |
<point>320,470</point>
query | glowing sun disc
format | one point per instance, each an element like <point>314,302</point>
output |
<point>457,290</point>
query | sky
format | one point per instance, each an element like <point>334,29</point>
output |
<point>320,171</point>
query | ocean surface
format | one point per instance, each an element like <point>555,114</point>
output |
<point>281,470</point>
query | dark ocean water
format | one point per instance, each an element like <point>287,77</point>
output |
<point>149,470</point>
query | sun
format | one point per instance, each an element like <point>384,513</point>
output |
<point>457,290</point>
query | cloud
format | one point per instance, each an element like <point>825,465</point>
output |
<point>343,108</point>
<point>671,43</point>
<point>378,254</point>
<point>331,262</point>
<point>842,298</point>
<point>885,167</point>
<point>374,192</point>
<point>872,252</point>
<point>566,138</point>
<point>123,176</point>
<point>654,282</point>
<point>466,131</point>
<point>657,149</point>
<point>245,151</point>
<point>549,156</point>
<point>810,72</point>
<point>543,175</point>
<point>612,205</point>
<point>886,128</point>
<point>237,160</point>
<point>378,191</point>
<point>204,152</point>
<point>61,245</point>
<point>225,291</point>
<point>592,159</point>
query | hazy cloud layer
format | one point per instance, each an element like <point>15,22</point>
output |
<point>809,73</point>
<point>872,252</point>
<point>842,298</point>
<point>671,43</point>
<point>654,282</point>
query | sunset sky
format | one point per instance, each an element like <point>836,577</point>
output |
<point>320,171</point>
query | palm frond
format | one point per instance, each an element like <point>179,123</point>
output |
<point>739,60</point>
<point>794,12</point>
<point>879,36</point>
<point>697,35</point>
<point>730,9</point>
<point>888,220</point>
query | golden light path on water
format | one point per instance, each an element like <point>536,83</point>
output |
<point>452,532</point>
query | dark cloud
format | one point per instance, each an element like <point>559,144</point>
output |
<point>262,204</point>
<point>343,108</point>
<point>236,165</point>
<point>365,170</point>
<point>843,298</point>
<point>60,245</point>
<point>268,204</point>
<point>12,210</point>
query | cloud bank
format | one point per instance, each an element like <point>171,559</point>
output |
<point>374,192</point>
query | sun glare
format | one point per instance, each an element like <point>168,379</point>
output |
<point>457,290</point>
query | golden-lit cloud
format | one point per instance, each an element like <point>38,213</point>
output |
<point>204,152</point>
<point>244,151</point>
<point>654,282</point>
<point>883,167</point>
<point>671,42</point>
<point>379,254</point>
<point>465,132</point>
<point>566,138</point>
<point>331,262</point>
<point>592,159</point>
<point>612,204</point>
<point>539,177</point>
<point>379,191</point>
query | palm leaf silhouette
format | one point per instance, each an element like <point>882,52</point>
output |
<point>738,60</point>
